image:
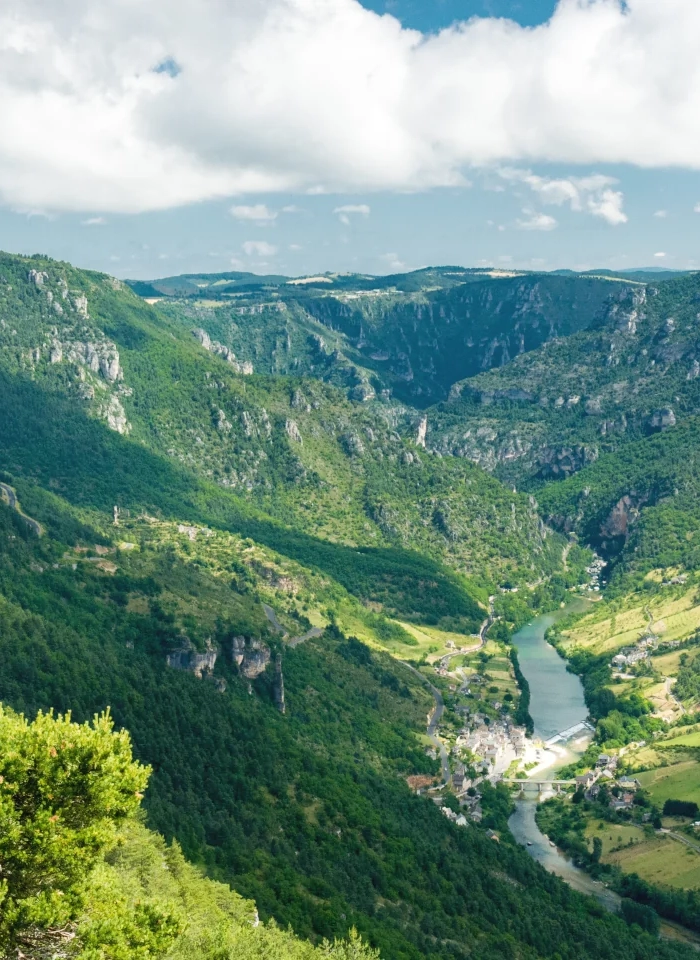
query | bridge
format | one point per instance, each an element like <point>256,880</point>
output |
<point>540,784</point>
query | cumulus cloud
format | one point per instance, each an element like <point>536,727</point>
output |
<point>258,248</point>
<point>661,214</point>
<point>660,255</point>
<point>137,106</point>
<point>696,208</point>
<point>258,213</point>
<point>93,222</point>
<point>593,194</point>
<point>536,221</point>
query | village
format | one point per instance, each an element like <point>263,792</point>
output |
<point>478,735</point>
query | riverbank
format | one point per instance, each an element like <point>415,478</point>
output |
<point>558,696</point>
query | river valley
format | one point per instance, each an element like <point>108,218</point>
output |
<point>556,704</point>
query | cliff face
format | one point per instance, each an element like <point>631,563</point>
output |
<point>250,656</point>
<point>189,659</point>
<point>401,337</point>
<point>47,331</point>
<point>418,345</point>
<point>556,410</point>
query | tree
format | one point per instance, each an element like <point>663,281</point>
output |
<point>64,788</point>
<point>638,913</point>
<point>681,808</point>
<point>597,849</point>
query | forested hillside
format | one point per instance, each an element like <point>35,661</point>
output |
<point>223,558</point>
<point>306,811</point>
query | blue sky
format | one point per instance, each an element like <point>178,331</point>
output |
<point>487,144</point>
<point>436,14</point>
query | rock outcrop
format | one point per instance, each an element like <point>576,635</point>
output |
<point>623,515</point>
<point>662,419</point>
<point>352,445</point>
<point>189,659</point>
<point>292,431</point>
<point>115,415</point>
<point>278,687</point>
<point>422,432</point>
<point>250,656</point>
<point>564,461</point>
<point>213,346</point>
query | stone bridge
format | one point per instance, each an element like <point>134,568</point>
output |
<point>540,784</point>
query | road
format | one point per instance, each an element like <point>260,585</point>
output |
<point>295,641</point>
<point>309,635</point>
<point>682,839</point>
<point>272,617</point>
<point>9,494</point>
<point>433,724</point>
<point>445,661</point>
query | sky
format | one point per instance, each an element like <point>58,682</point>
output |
<point>303,136</point>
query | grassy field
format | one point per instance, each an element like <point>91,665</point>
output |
<point>661,861</point>
<point>674,617</point>
<point>613,835</point>
<point>686,740</point>
<point>680,781</point>
<point>667,663</point>
<point>433,642</point>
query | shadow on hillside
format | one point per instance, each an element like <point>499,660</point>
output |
<point>49,438</point>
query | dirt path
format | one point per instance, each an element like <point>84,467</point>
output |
<point>309,635</point>
<point>272,617</point>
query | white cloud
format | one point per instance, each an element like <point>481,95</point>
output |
<point>349,209</point>
<point>660,255</point>
<point>696,208</point>
<point>292,208</point>
<point>537,221</point>
<point>592,194</point>
<point>661,214</point>
<point>258,213</point>
<point>258,248</point>
<point>149,105</point>
<point>93,222</point>
<point>360,208</point>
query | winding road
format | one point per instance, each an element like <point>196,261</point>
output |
<point>10,497</point>
<point>295,641</point>
<point>445,661</point>
<point>433,722</point>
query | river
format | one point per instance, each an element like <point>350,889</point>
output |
<point>556,703</point>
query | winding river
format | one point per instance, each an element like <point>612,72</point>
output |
<point>556,704</point>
